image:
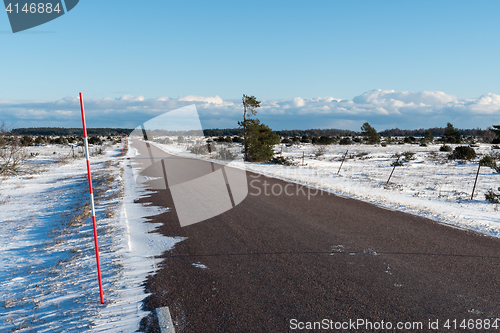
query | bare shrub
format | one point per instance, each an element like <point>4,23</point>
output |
<point>409,156</point>
<point>9,303</point>
<point>434,156</point>
<point>110,212</point>
<point>319,152</point>
<point>225,154</point>
<point>12,156</point>
<point>199,149</point>
<point>79,217</point>
<point>12,159</point>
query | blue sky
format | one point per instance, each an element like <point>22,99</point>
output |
<point>377,61</point>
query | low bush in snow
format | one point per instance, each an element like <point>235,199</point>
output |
<point>225,154</point>
<point>463,153</point>
<point>323,140</point>
<point>492,197</point>
<point>345,141</point>
<point>489,162</point>
<point>409,155</point>
<point>362,155</point>
<point>445,148</point>
<point>282,160</point>
<point>397,163</point>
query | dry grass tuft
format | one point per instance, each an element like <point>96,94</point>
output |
<point>9,303</point>
<point>110,212</point>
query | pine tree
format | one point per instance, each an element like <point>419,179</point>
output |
<point>451,134</point>
<point>428,136</point>
<point>496,130</point>
<point>250,104</point>
<point>260,141</point>
<point>370,133</point>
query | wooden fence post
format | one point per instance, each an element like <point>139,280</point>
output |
<point>477,175</point>
<point>395,165</point>
<point>343,161</point>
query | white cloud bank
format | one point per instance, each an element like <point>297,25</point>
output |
<point>382,108</point>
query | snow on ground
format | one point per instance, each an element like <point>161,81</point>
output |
<point>430,185</point>
<point>48,279</point>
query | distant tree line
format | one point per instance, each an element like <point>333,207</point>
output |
<point>317,132</point>
<point>308,135</point>
<point>223,132</point>
<point>435,131</point>
<point>422,132</point>
<point>30,140</point>
<point>208,132</point>
<point>70,131</point>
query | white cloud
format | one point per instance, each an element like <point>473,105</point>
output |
<point>404,98</point>
<point>126,98</point>
<point>401,109</point>
<point>486,104</point>
<point>210,100</point>
<point>298,102</point>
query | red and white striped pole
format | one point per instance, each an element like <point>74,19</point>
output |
<point>91,198</point>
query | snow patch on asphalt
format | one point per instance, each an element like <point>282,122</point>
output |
<point>199,265</point>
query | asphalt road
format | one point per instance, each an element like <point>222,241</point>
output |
<point>277,262</point>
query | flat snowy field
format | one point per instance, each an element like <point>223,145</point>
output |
<point>430,185</point>
<point>48,276</point>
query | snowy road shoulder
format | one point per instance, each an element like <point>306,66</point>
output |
<point>139,248</point>
<point>48,279</point>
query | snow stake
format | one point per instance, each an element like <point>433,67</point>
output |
<point>91,199</point>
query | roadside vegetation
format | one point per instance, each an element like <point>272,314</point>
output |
<point>32,153</point>
<point>12,156</point>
